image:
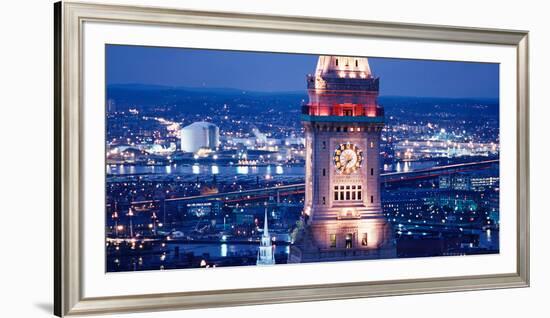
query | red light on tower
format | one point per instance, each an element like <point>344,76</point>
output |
<point>343,86</point>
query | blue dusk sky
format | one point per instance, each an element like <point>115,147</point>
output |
<point>272,72</point>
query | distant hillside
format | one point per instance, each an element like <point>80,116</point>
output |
<point>207,100</point>
<point>198,99</point>
<point>422,106</point>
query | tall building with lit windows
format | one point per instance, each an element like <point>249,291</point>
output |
<point>343,122</point>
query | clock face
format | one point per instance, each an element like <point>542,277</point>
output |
<point>347,158</point>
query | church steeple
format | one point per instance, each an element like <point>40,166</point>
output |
<point>266,255</point>
<point>266,229</point>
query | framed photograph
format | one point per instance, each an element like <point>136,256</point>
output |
<point>208,159</point>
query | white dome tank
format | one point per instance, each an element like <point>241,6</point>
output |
<point>199,135</point>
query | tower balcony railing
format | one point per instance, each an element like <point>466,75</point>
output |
<point>346,83</point>
<point>343,110</point>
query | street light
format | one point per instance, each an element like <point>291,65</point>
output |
<point>131,214</point>
<point>154,218</point>
<point>114,216</point>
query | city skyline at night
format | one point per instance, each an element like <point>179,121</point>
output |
<point>225,158</point>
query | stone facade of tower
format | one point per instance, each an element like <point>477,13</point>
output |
<point>342,124</point>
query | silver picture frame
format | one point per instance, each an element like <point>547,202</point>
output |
<point>68,25</point>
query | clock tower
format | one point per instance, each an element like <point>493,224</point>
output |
<point>343,123</point>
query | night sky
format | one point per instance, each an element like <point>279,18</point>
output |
<point>287,72</point>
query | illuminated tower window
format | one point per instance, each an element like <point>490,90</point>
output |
<point>364,239</point>
<point>349,240</point>
<point>347,193</point>
<point>332,239</point>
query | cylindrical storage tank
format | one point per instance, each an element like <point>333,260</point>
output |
<point>199,135</point>
<point>213,136</point>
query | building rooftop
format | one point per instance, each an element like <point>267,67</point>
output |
<point>342,67</point>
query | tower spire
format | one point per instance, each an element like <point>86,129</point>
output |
<point>266,229</point>
<point>266,253</point>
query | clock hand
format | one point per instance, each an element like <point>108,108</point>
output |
<point>344,163</point>
<point>349,158</point>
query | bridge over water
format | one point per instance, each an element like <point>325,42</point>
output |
<point>298,188</point>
